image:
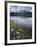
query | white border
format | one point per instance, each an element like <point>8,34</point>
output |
<point>8,23</point>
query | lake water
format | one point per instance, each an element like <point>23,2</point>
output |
<point>26,21</point>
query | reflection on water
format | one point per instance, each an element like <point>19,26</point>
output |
<point>27,21</point>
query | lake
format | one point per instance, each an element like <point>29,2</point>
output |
<point>26,21</point>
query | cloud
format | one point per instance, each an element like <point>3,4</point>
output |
<point>20,8</point>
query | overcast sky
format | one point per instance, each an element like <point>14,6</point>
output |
<point>20,8</point>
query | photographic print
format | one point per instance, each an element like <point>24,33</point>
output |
<point>20,22</point>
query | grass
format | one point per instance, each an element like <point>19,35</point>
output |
<point>25,32</point>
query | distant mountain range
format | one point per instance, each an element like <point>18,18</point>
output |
<point>22,11</point>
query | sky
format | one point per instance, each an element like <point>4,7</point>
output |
<point>20,8</point>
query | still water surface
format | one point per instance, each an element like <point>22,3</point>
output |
<point>26,21</point>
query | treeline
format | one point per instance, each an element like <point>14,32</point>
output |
<point>21,14</point>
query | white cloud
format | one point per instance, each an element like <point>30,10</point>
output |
<point>20,8</point>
